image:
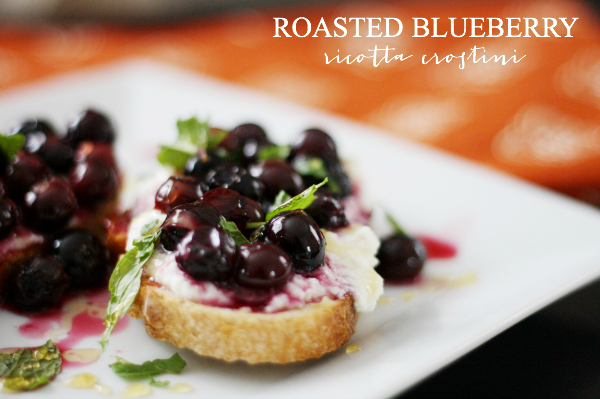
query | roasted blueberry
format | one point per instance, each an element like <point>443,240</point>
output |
<point>94,184</point>
<point>96,153</point>
<point>263,266</point>
<point>234,207</point>
<point>207,254</point>
<point>199,166</point>
<point>49,205</point>
<point>244,142</point>
<point>33,126</point>
<point>90,125</point>
<point>249,186</point>
<point>400,257</point>
<point>299,236</point>
<point>185,218</point>
<point>315,143</point>
<point>23,172</point>
<point>327,212</point>
<point>177,191</point>
<point>223,176</point>
<point>83,257</point>
<point>8,216</point>
<point>38,284</point>
<point>277,175</point>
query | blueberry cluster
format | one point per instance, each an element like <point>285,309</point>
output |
<point>52,181</point>
<point>235,183</point>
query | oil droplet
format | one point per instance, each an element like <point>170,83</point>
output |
<point>467,279</point>
<point>103,389</point>
<point>81,381</point>
<point>136,390</point>
<point>353,348</point>
<point>181,387</point>
<point>384,300</point>
<point>408,295</point>
<point>81,355</point>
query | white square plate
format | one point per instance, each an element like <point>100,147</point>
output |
<point>519,247</point>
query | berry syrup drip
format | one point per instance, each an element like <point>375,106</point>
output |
<point>438,249</point>
<point>79,318</point>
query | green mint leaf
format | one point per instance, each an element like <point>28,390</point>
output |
<point>11,145</point>
<point>175,157</point>
<point>310,166</point>
<point>125,282</point>
<point>30,368</point>
<point>256,233</point>
<point>255,225</point>
<point>148,228</point>
<point>159,384</point>
<point>132,371</point>
<point>194,132</point>
<point>215,136</point>
<point>234,232</point>
<point>281,197</point>
<point>395,224</point>
<point>300,201</point>
<point>274,152</point>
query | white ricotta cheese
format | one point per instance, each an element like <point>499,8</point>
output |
<point>350,259</point>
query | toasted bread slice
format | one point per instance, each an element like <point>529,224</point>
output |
<point>233,334</point>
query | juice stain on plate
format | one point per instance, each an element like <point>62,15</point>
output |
<point>136,390</point>
<point>79,318</point>
<point>438,249</point>
<point>181,387</point>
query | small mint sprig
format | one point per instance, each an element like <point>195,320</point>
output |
<point>125,280</point>
<point>235,233</point>
<point>11,145</point>
<point>274,151</point>
<point>300,201</point>
<point>395,225</point>
<point>193,137</point>
<point>29,368</point>
<point>131,371</point>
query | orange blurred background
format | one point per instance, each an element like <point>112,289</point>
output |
<point>538,119</point>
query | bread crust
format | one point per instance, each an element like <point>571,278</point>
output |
<point>234,334</point>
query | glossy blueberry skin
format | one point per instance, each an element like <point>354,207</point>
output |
<point>277,175</point>
<point>199,167</point>
<point>400,257</point>
<point>38,284</point>
<point>83,256</point>
<point>185,218</point>
<point>244,142</point>
<point>328,212</point>
<point>23,172</point>
<point>90,125</point>
<point>300,237</point>
<point>222,176</point>
<point>177,191</point>
<point>49,205</point>
<point>33,125</point>
<point>207,254</point>
<point>94,184</point>
<point>96,153</point>
<point>234,207</point>
<point>250,187</point>
<point>263,266</point>
<point>316,143</point>
<point>9,216</point>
